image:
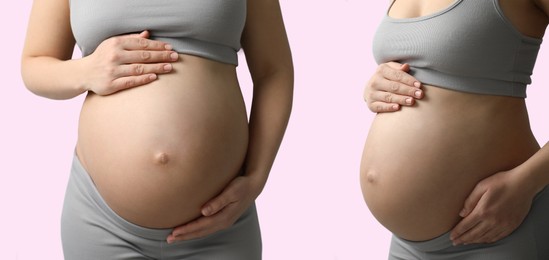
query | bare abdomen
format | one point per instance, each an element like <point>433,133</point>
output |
<point>158,152</point>
<point>420,164</point>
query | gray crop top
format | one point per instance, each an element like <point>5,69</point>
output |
<point>469,46</point>
<point>206,28</point>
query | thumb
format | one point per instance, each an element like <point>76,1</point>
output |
<point>405,67</point>
<point>143,34</point>
<point>472,201</point>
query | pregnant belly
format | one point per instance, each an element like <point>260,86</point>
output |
<point>420,164</point>
<point>158,152</point>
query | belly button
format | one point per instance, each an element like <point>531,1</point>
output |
<point>162,158</point>
<point>371,177</point>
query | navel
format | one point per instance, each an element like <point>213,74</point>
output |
<point>161,158</point>
<point>371,177</point>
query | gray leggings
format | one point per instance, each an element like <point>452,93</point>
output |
<point>530,241</point>
<point>91,230</point>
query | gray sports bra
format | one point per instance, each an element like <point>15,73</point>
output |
<point>469,46</point>
<point>206,28</point>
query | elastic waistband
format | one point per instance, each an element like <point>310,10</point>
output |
<point>86,185</point>
<point>436,244</point>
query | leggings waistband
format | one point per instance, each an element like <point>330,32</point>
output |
<point>85,184</point>
<point>436,244</point>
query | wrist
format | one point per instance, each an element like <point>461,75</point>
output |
<point>82,70</point>
<point>529,180</point>
<point>257,182</point>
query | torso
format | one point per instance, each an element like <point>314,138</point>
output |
<point>158,152</point>
<point>419,164</point>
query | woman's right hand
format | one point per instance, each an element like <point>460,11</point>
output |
<point>391,87</point>
<point>127,61</point>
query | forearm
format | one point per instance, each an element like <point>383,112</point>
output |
<point>536,169</point>
<point>53,78</point>
<point>271,107</point>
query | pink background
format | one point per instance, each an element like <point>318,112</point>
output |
<point>312,207</point>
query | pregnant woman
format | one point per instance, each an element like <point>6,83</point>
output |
<point>163,137</point>
<point>458,175</point>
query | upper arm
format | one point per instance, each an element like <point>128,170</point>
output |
<point>264,40</point>
<point>49,32</point>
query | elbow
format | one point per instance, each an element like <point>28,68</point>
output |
<point>26,76</point>
<point>30,83</point>
<point>282,74</point>
<point>288,73</point>
<point>275,84</point>
<point>285,77</point>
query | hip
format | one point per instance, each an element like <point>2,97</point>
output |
<point>526,242</point>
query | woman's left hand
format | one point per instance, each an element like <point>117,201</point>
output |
<point>494,209</point>
<point>221,212</point>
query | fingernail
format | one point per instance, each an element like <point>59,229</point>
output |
<point>174,56</point>
<point>417,93</point>
<point>167,67</point>
<point>168,46</point>
<point>206,211</point>
<point>395,107</point>
<point>417,84</point>
<point>409,101</point>
<point>462,213</point>
<point>152,76</point>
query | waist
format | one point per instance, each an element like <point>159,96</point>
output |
<point>158,152</point>
<point>438,151</point>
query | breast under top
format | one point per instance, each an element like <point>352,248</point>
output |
<point>469,46</point>
<point>208,28</point>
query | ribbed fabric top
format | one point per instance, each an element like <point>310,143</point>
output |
<point>469,46</point>
<point>206,28</point>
